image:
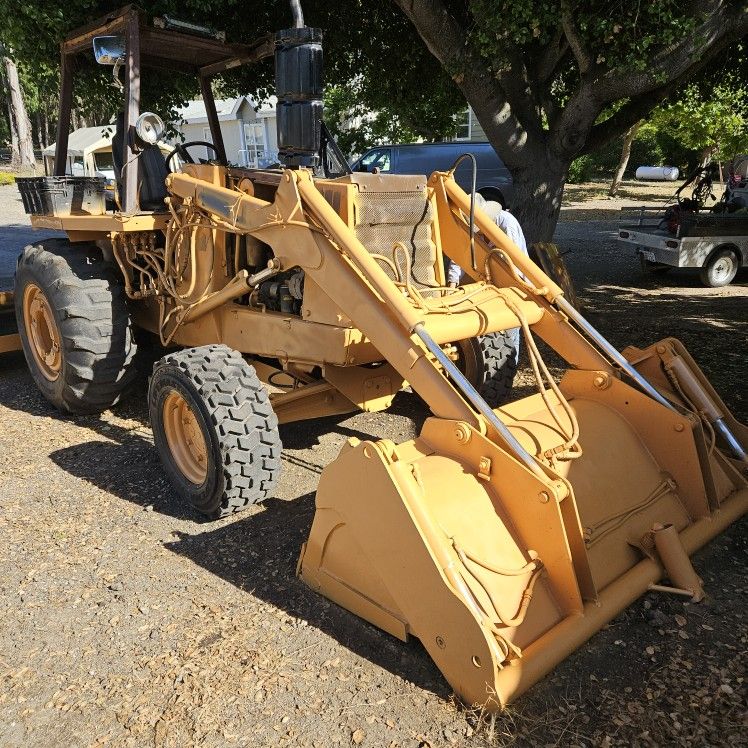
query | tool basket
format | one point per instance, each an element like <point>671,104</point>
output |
<point>63,196</point>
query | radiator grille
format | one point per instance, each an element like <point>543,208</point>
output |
<point>384,218</point>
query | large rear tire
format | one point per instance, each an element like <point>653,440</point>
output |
<point>74,325</point>
<point>215,429</point>
<point>490,364</point>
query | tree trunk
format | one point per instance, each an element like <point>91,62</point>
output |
<point>536,200</point>
<point>45,124</point>
<point>23,154</point>
<point>628,140</point>
<point>707,154</point>
<point>41,135</point>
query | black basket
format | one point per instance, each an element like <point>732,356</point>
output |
<point>63,196</point>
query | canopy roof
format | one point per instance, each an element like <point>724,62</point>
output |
<point>86,140</point>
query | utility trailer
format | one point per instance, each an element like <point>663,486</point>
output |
<point>716,243</point>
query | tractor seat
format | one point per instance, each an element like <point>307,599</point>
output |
<point>152,171</point>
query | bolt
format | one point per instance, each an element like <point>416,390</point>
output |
<point>544,497</point>
<point>661,349</point>
<point>440,642</point>
<point>679,427</point>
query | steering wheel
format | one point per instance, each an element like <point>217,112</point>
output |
<point>181,149</point>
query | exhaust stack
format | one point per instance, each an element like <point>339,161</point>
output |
<point>298,85</point>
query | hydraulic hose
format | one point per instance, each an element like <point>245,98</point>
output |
<point>452,170</point>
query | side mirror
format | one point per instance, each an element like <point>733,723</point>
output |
<point>109,50</point>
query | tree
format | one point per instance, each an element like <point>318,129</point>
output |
<point>22,144</point>
<point>550,80</point>
<point>711,120</point>
<point>628,140</point>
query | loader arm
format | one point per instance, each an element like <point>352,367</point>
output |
<point>501,538</point>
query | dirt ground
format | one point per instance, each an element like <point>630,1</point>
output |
<point>127,621</point>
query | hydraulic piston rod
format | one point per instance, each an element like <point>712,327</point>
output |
<point>618,358</point>
<point>610,350</point>
<point>476,400</point>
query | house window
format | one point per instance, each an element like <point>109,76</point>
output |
<point>254,139</point>
<point>464,122</point>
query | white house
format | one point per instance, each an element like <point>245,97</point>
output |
<point>468,127</point>
<point>248,130</point>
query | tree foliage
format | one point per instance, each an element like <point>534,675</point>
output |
<point>549,80</point>
<point>709,121</point>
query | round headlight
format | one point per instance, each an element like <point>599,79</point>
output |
<point>149,128</point>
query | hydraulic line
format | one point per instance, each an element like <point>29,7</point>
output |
<point>618,358</point>
<point>471,225</point>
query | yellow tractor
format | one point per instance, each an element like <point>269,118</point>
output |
<point>504,535</point>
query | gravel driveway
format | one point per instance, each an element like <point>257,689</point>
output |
<point>126,621</point>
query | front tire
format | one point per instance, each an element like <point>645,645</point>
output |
<point>490,364</point>
<point>74,324</point>
<point>214,429</point>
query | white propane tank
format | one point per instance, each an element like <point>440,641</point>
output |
<point>657,173</point>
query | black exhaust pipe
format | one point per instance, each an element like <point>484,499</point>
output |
<point>298,86</point>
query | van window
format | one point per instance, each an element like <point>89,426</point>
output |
<point>103,161</point>
<point>380,158</point>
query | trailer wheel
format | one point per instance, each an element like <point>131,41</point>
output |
<point>490,364</point>
<point>214,429</point>
<point>75,328</point>
<point>720,269</point>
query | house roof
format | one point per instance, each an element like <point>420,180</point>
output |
<point>85,140</point>
<point>228,109</point>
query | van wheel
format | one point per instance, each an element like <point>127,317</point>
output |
<point>490,364</point>
<point>214,429</point>
<point>75,328</point>
<point>720,269</point>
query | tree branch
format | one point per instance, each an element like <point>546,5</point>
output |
<point>627,116</point>
<point>638,107</point>
<point>578,48</point>
<point>722,27</point>
<point>548,59</point>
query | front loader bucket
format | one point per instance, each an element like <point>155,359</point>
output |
<point>501,573</point>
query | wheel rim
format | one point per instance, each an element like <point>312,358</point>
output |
<point>723,268</point>
<point>185,438</point>
<point>42,332</point>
